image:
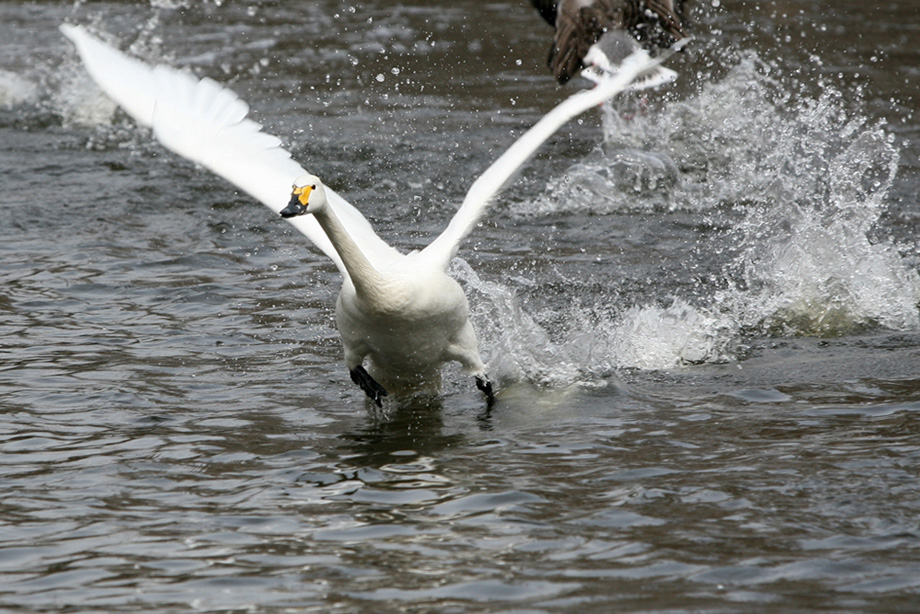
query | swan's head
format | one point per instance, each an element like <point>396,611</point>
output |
<point>307,196</point>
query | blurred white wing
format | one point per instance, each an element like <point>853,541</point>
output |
<point>484,189</point>
<point>206,123</point>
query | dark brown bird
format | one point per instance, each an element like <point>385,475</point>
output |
<point>626,25</point>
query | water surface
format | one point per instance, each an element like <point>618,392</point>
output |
<point>699,306</point>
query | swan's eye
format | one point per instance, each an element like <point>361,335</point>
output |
<point>313,187</point>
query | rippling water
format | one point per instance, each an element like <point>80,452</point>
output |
<point>700,307</point>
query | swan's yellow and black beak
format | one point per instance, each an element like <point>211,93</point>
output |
<point>294,208</point>
<point>298,204</point>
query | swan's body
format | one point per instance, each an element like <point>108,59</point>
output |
<point>602,33</point>
<point>406,315</point>
<point>400,311</point>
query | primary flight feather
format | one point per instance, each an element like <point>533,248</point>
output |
<point>400,312</point>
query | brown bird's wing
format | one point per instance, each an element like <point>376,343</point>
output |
<point>654,23</point>
<point>547,10</point>
<point>580,23</point>
<point>577,28</point>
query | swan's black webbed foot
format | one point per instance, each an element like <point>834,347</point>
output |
<point>368,384</point>
<point>485,385</point>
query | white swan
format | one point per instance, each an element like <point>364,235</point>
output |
<point>400,311</point>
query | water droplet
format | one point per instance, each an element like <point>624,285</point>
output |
<point>380,77</point>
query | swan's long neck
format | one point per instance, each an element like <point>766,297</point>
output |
<point>363,274</point>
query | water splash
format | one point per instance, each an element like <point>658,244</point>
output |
<point>801,181</point>
<point>593,344</point>
<point>16,90</point>
<point>807,261</point>
<point>79,102</point>
<point>519,348</point>
<point>654,337</point>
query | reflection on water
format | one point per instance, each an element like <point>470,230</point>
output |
<point>410,427</point>
<point>700,307</point>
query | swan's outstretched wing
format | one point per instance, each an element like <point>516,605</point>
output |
<point>206,123</point>
<point>504,168</point>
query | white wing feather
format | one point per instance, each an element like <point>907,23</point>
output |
<point>490,183</point>
<point>206,123</point>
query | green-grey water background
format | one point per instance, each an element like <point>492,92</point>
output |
<point>700,308</point>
